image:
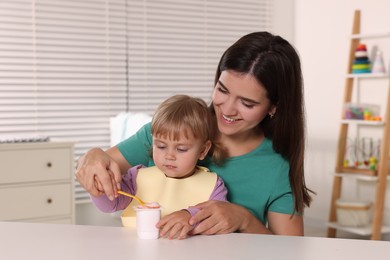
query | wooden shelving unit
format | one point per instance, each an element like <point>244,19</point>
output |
<point>380,176</point>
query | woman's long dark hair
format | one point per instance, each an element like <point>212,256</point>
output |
<point>276,66</point>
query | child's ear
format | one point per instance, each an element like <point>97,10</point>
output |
<point>205,150</point>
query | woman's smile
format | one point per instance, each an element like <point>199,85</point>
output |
<point>229,119</point>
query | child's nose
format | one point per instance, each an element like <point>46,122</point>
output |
<point>170,155</point>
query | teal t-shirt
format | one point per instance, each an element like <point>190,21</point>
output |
<point>257,180</point>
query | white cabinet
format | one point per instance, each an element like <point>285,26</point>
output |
<point>36,182</point>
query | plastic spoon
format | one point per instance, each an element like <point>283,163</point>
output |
<point>153,205</point>
<point>141,202</point>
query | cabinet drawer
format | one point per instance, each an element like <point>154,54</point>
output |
<point>35,165</point>
<point>35,201</point>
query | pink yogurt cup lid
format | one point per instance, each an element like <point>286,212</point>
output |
<point>151,205</point>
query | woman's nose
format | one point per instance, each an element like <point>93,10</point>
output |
<point>229,107</point>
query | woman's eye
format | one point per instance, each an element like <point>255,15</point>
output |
<point>222,90</point>
<point>248,105</point>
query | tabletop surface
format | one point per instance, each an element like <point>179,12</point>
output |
<point>56,241</point>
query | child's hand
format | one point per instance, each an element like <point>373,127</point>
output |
<point>175,225</point>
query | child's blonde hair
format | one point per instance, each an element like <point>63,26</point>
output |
<point>181,113</point>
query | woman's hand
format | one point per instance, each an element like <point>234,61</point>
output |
<point>175,225</point>
<point>98,173</point>
<point>220,217</point>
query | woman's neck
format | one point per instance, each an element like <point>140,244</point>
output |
<point>240,145</point>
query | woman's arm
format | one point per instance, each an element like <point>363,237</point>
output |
<point>285,224</point>
<point>218,217</point>
<point>100,172</point>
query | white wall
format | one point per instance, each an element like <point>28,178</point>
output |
<point>283,19</point>
<point>321,36</point>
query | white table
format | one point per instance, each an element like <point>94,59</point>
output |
<point>58,241</point>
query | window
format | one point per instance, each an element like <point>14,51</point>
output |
<point>66,67</point>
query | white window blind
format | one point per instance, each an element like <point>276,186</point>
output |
<point>174,46</point>
<point>66,67</point>
<point>63,70</point>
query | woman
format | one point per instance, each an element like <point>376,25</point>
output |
<point>258,105</point>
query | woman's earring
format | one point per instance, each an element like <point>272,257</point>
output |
<point>271,115</point>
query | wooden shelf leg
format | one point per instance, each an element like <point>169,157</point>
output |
<point>336,193</point>
<point>341,147</point>
<point>383,171</point>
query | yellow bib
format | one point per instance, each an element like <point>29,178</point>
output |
<point>172,194</point>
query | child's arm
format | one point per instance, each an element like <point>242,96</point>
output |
<point>220,191</point>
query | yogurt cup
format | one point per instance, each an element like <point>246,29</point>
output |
<point>146,220</point>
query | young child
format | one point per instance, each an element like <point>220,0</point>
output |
<point>183,132</point>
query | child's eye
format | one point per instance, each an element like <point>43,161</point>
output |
<point>160,146</point>
<point>182,150</point>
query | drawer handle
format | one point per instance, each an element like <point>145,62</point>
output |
<point>49,200</point>
<point>49,164</point>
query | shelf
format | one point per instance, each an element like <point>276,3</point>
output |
<point>362,122</point>
<point>363,231</point>
<point>367,75</point>
<point>344,171</point>
<point>351,170</point>
<point>378,177</point>
<point>359,176</point>
<point>371,35</point>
